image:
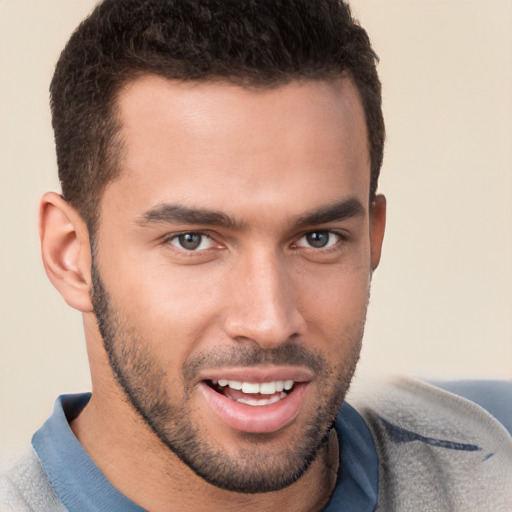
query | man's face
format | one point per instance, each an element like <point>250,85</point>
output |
<point>232,270</point>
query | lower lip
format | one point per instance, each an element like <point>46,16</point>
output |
<point>260,419</point>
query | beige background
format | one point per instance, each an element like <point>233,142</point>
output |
<point>442,300</point>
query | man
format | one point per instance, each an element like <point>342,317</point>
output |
<point>218,227</point>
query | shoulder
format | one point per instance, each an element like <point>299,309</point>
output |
<point>435,446</point>
<point>495,396</point>
<point>467,405</point>
<point>25,487</point>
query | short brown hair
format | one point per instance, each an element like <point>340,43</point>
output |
<point>262,43</point>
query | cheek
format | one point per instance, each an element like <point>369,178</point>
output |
<point>334,304</point>
<point>168,306</point>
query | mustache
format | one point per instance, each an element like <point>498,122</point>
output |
<point>250,356</point>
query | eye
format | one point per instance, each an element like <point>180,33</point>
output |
<point>191,241</point>
<point>318,239</point>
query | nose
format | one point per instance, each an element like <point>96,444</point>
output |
<point>262,302</point>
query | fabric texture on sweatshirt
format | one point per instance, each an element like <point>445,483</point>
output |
<point>437,451</point>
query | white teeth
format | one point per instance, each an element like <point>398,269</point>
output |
<point>264,388</point>
<point>250,387</point>
<point>234,384</point>
<point>267,388</point>
<point>276,398</point>
<point>261,401</point>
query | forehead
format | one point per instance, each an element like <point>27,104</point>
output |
<point>221,143</point>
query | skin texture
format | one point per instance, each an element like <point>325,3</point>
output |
<point>259,294</point>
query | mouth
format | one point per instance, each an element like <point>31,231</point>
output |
<point>253,393</point>
<point>255,402</point>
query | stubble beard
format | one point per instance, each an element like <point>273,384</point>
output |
<point>254,469</point>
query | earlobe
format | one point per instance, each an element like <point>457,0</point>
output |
<point>65,250</point>
<point>377,228</point>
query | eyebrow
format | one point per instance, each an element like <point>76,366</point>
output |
<point>172,214</point>
<point>346,209</point>
<point>169,213</point>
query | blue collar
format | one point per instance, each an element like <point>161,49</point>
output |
<point>80,484</point>
<point>75,478</point>
<point>358,473</point>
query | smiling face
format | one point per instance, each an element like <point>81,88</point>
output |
<point>232,269</point>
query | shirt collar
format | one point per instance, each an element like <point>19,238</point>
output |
<point>358,473</point>
<point>76,479</point>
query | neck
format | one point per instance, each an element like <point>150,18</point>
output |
<point>140,466</point>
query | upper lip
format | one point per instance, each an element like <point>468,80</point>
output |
<point>258,374</point>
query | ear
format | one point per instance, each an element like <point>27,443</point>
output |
<point>66,250</point>
<point>377,228</point>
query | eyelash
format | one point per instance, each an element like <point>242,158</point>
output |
<point>176,236</point>
<point>341,237</point>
